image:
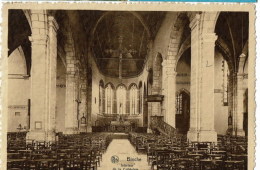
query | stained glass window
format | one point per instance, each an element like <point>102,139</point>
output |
<point>121,99</point>
<point>179,103</point>
<point>133,100</point>
<point>109,99</point>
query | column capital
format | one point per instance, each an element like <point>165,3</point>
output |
<point>194,21</point>
<point>171,73</point>
<point>209,37</point>
<point>240,76</point>
<point>164,63</point>
<point>242,55</point>
<point>71,74</point>
<point>242,59</point>
<point>40,39</point>
<point>53,23</point>
<point>170,63</point>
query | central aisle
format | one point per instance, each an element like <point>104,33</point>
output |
<point>121,149</point>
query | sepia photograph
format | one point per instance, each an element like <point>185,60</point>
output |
<point>128,86</point>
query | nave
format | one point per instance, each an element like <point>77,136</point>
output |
<point>169,87</point>
<point>142,151</point>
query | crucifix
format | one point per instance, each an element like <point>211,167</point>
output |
<point>120,66</point>
<point>78,103</point>
<point>120,40</point>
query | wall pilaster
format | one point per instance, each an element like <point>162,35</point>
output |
<point>169,91</point>
<point>71,117</point>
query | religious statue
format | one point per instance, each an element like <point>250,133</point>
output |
<point>118,117</point>
<point>121,118</point>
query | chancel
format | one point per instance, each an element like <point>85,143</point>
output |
<point>167,90</point>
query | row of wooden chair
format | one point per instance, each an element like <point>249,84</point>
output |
<point>177,152</point>
<point>82,151</point>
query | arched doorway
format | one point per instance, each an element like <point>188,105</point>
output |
<point>182,100</point>
<point>145,108</point>
<point>183,111</point>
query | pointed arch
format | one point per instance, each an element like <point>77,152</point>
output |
<point>17,62</point>
<point>131,85</point>
<point>111,84</point>
<point>179,28</point>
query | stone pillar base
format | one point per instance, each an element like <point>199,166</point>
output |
<point>50,136</point>
<point>89,129</point>
<point>192,136</point>
<point>239,132</point>
<point>202,136</point>
<point>41,136</point>
<point>149,130</point>
<point>70,131</point>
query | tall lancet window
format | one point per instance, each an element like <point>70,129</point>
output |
<point>121,99</point>
<point>133,100</point>
<point>101,93</point>
<point>225,82</point>
<point>109,99</point>
<point>179,103</point>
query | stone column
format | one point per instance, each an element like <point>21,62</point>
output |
<point>71,122</point>
<point>53,27</point>
<point>164,103</point>
<point>170,90</point>
<point>239,106</point>
<point>83,104</point>
<point>239,97</point>
<point>207,131</point>
<point>43,78</point>
<point>202,84</point>
<point>83,96</point>
<point>194,80</point>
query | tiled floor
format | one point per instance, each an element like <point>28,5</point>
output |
<point>121,149</point>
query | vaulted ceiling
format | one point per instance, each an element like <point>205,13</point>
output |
<point>232,28</point>
<point>18,32</point>
<point>120,37</point>
<point>109,35</point>
<point>113,35</point>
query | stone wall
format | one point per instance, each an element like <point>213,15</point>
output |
<point>18,91</point>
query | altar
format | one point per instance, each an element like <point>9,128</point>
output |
<point>120,126</point>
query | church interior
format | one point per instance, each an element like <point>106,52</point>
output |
<point>89,88</point>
